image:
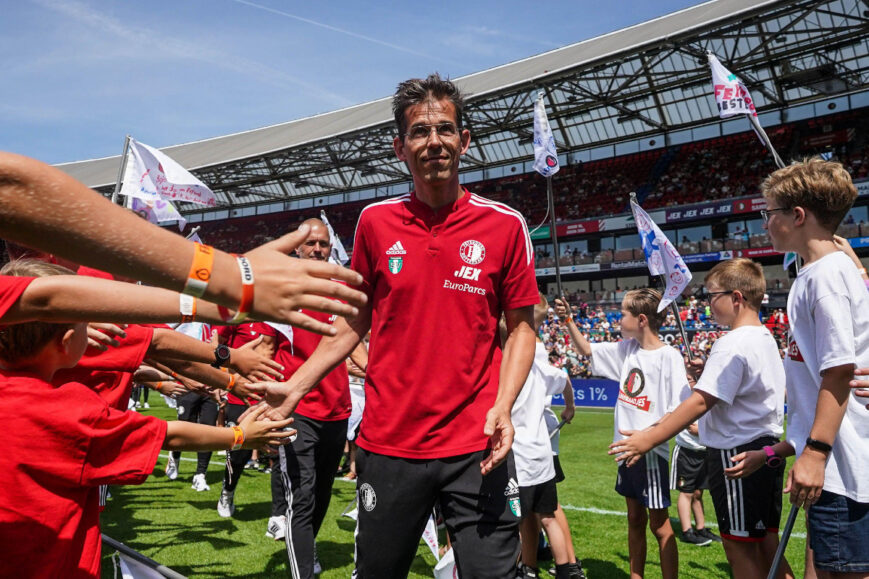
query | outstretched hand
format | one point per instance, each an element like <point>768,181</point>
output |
<point>102,335</point>
<point>500,431</point>
<point>285,285</point>
<point>630,449</point>
<point>253,365</point>
<point>259,434</point>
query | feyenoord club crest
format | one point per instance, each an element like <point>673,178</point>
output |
<point>395,264</point>
<point>635,383</point>
<point>472,252</point>
<point>367,497</point>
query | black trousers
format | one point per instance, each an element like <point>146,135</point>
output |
<point>235,459</point>
<point>302,486</point>
<point>396,497</point>
<point>194,407</point>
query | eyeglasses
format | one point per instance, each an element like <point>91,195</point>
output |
<point>422,132</point>
<point>764,213</point>
<point>710,294</point>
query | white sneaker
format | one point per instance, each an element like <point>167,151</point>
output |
<point>146,406</point>
<point>226,504</point>
<point>138,404</point>
<point>171,468</point>
<point>277,528</point>
<point>317,567</point>
<point>199,483</point>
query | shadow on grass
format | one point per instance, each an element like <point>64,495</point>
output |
<point>598,569</point>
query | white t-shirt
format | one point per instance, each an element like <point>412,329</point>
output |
<point>650,382</point>
<point>744,372</point>
<point>828,310</point>
<point>531,449</point>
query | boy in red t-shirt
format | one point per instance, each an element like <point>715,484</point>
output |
<point>62,442</point>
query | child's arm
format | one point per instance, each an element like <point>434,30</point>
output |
<point>569,405</point>
<point>639,442</point>
<point>172,344</point>
<point>806,478</point>
<point>581,343</point>
<point>256,434</point>
<point>749,461</point>
<point>861,387</point>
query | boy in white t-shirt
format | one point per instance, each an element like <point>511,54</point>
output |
<point>651,377</point>
<point>828,310</point>
<point>739,401</point>
<point>535,469</point>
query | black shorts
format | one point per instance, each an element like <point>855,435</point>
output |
<point>688,471</point>
<point>646,481</point>
<point>747,508</point>
<point>559,473</point>
<point>540,498</point>
<point>396,497</point>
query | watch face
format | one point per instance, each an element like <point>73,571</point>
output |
<point>773,461</point>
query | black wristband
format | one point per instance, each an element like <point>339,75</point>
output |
<point>818,445</point>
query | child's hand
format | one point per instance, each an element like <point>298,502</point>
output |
<point>845,247</point>
<point>630,449</point>
<point>102,335</point>
<point>861,387</point>
<point>694,367</point>
<point>561,307</point>
<point>261,433</point>
<point>806,478</point>
<point>746,463</point>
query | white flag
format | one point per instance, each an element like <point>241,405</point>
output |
<point>731,96</point>
<point>339,254</point>
<point>446,567</point>
<point>132,569</point>
<point>661,257</point>
<point>545,156</point>
<point>430,536</point>
<point>154,176</point>
<point>158,211</point>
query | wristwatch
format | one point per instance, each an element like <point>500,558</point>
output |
<point>818,445</point>
<point>772,459</point>
<point>221,356</point>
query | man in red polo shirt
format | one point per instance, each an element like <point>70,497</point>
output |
<point>302,480</point>
<point>440,266</point>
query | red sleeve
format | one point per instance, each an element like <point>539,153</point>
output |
<point>360,262</point>
<point>11,288</point>
<point>91,272</point>
<point>519,287</point>
<point>123,447</point>
<point>124,358</point>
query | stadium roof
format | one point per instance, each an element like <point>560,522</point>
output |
<point>648,79</point>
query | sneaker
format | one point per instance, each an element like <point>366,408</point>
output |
<point>694,538</point>
<point>146,406</point>
<point>526,572</point>
<point>226,504</point>
<point>199,483</point>
<point>317,567</point>
<point>277,528</point>
<point>171,468</point>
<point>249,464</point>
<point>704,532</point>
<point>576,571</point>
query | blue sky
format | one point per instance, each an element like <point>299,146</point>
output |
<point>78,75</point>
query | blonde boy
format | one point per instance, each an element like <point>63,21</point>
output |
<point>828,310</point>
<point>651,377</point>
<point>739,401</point>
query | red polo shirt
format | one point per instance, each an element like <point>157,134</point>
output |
<point>237,336</point>
<point>11,288</point>
<point>330,399</point>
<point>438,282</point>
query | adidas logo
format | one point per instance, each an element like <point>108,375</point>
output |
<point>760,525</point>
<point>512,488</point>
<point>396,249</point>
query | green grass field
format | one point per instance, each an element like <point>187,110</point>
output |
<point>178,527</point>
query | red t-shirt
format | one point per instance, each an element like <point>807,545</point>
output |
<point>91,272</point>
<point>330,399</point>
<point>237,336</point>
<point>110,373</point>
<point>60,444</point>
<point>11,288</point>
<point>437,283</point>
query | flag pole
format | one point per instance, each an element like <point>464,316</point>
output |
<point>785,536</point>
<point>121,169</point>
<point>554,235</point>
<point>765,138</point>
<point>193,232</point>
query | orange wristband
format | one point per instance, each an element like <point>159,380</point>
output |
<point>247,285</point>
<point>187,307</point>
<point>200,270</point>
<point>237,438</point>
<point>232,379</point>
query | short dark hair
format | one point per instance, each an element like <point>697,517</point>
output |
<point>645,301</point>
<point>417,90</point>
